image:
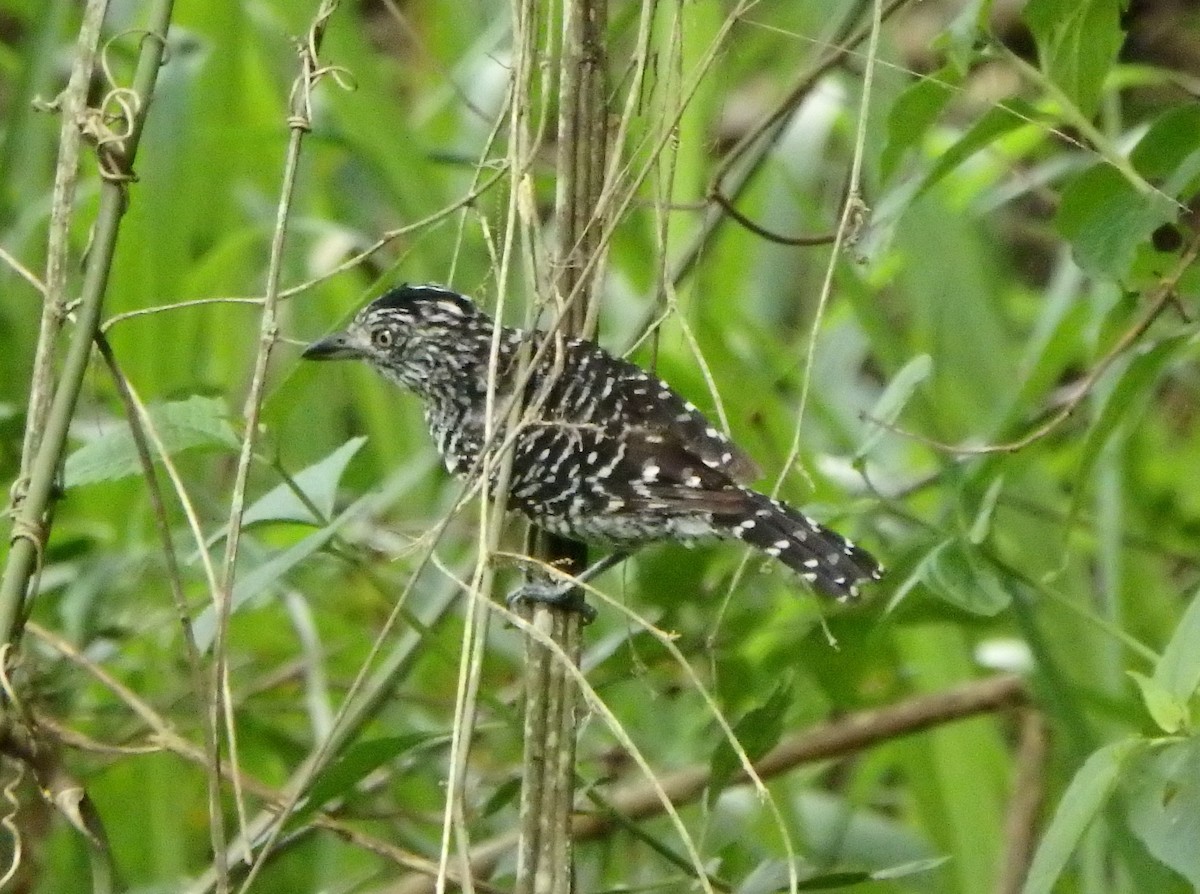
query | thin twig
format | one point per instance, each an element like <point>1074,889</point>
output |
<point>299,123</point>
<point>135,413</point>
<point>746,158</point>
<point>350,263</point>
<point>24,272</point>
<point>852,212</point>
<point>758,229</point>
<point>71,104</point>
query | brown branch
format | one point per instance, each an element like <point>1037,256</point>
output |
<point>158,511</point>
<point>25,743</point>
<point>759,230</point>
<point>837,738</point>
<point>544,863</point>
<point>299,123</point>
<point>1024,810</point>
<point>72,105</point>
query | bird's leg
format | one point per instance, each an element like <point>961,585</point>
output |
<point>567,594</point>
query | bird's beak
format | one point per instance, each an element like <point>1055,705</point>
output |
<point>338,346</point>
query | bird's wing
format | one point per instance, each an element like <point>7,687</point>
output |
<point>655,405</point>
<point>588,386</point>
<point>597,388</point>
<point>663,473</point>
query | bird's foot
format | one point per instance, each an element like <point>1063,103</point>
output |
<point>565,595</point>
<point>559,595</point>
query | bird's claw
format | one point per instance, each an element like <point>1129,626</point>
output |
<point>563,596</point>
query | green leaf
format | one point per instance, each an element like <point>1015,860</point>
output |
<point>1080,804</point>
<point>1169,153</point>
<point>771,876</point>
<point>914,867</point>
<point>1178,670</point>
<point>987,508</point>
<point>960,39</point>
<point>507,792</point>
<point>765,878</point>
<point>992,125</point>
<point>1164,809</point>
<point>360,759</point>
<point>195,422</point>
<point>831,881</point>
<point>265,575</point>
<point>1107,218</point>
<point>1078,42</point>
<point>956,574</point>
<point>913,113</point>
<point>319,482</point>
<point>895,396</point>
<point>1126,400</point>
<point>1168,712</point>
<point>757,731</point>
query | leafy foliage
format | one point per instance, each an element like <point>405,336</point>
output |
<point>998,398</point>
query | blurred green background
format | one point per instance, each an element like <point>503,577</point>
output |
<point>1028,176</point>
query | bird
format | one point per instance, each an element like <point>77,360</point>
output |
<point>605,452</point>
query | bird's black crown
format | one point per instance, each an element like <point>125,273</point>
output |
<point>420,297</point>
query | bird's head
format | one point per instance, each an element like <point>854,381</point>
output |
<point>415,335</point>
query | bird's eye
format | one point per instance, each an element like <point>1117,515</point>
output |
<point>382,338</point>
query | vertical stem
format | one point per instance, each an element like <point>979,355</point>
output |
<point>220,708</point>
<point>72,103</point>
<point>31,515</point>
<point>547,793</point>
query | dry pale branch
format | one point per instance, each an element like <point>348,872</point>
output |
<point>836,738</point>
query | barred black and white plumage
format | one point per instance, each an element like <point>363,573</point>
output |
<point>608,453</point>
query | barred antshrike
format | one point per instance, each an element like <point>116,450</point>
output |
<point>606,452</point>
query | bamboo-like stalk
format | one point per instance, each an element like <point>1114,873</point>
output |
<point>544,863</point>
<point>52,405</point>
<point>30,517</point>
<point>72,105</point>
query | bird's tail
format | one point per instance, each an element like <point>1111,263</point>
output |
<point>827,560</point>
